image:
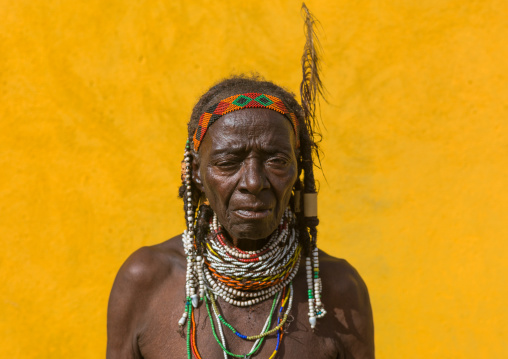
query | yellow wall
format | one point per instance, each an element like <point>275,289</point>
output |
<point>94,97</point>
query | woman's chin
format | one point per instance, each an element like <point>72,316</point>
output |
<point>252,231</point>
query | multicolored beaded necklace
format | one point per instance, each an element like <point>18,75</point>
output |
<point>264,333</point>
<point>243,278</point>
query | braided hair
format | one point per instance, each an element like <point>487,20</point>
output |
<point>307,226</point>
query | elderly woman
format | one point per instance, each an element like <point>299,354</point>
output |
<point>246,278</point>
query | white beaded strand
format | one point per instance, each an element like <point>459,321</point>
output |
<point>312,313</point>
<point>221,332</point>
<point>316,309</point>
<point>318,288</point>
<point>194,263</point>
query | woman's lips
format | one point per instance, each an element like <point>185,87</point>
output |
<point>253,213</point>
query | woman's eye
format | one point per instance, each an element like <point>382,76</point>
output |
<point>278,161</point>
<point>226,163</point>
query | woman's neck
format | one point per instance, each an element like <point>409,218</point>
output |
<point>247,244</point>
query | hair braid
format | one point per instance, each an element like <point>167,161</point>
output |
<point>308,146</point>
<point>205,213</point>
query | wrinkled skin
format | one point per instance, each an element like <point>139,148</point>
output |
<point>247,172</point>
<point>246,167</point>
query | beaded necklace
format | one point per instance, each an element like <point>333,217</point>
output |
<point>243,278</point>
<point>222,343</point>
<point>264,333</point>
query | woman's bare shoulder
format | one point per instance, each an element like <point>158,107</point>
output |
<point>346,297</point>
<point>341,275</point>
<point>137,283</point>
<point>148,264</point>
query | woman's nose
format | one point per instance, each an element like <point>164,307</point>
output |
<point>253,178</point>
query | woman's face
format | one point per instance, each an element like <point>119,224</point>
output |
<point>247,168</point>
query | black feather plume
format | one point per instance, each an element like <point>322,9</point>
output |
<point>311,87</point>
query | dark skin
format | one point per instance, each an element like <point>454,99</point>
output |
<point>247,173</point>
<point>246,166</point>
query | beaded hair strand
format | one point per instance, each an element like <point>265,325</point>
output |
<point>310,89</point>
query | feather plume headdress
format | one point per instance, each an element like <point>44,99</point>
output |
<point>311,86</point>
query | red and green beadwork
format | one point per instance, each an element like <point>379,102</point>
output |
<point>239,102</point>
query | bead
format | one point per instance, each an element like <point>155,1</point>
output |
<point>312,321</point>
<point>195,300</point>
<point>182,320</point>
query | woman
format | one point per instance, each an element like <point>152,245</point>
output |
<point>249,249</point>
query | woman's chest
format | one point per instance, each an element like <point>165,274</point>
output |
<point>210,337</point>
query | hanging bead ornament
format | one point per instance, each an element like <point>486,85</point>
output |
<point>194,280</point>
<point>316,309</point>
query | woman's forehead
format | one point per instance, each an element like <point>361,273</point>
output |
<point>248,126</point>
<point>238,102</point>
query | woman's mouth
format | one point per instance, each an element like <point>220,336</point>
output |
<point>253,213</point>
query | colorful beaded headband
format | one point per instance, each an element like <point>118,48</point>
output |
<point>239,102</point>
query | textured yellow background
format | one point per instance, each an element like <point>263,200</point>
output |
<point>94,97</point>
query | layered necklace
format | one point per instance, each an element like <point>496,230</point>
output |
<point>244,278</point>
<point>215,268</point>
<point>241,278</point>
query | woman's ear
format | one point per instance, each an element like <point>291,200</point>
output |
<point>196,174</point>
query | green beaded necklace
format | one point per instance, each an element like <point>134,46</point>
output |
<point>261,339</point>
<point>251,337</point>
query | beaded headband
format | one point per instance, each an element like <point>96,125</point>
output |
<point>239,102</point>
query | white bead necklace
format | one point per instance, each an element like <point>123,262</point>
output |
<point>268,266</point>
